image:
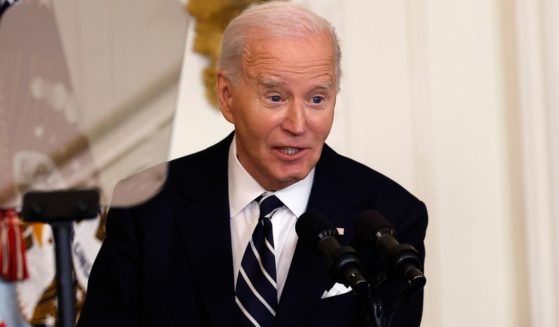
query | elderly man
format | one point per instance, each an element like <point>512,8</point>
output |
<point>217,246</point>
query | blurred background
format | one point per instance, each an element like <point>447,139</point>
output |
<point>455,100</point>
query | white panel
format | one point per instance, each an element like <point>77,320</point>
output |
<point>538,39</point>
<point>551,38</point>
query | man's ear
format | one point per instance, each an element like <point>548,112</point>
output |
<point>225,97</point>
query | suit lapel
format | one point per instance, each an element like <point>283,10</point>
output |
<point>203,217</point>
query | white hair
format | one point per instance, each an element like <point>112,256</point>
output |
<point>279,19</point>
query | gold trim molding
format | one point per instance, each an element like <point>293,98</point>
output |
<point>212,16</point>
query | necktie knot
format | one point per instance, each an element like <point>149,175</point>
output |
<point>268,204</point>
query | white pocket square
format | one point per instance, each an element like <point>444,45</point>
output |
<point>337,289</point>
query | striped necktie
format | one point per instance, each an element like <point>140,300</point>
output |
<point>256,293</point>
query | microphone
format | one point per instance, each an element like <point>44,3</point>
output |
<point>318,233</point>
<point>373,231</point>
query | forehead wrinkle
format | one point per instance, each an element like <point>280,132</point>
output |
<point>267,63</point>
<point>312,70</point>
<point>254,59</point>
<point>274,76</point>
<point>301,65</point>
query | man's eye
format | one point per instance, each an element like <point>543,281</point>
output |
<point>317,99</point>
<point>275,98</point>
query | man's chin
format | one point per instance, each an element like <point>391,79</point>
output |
<point>288,180</point>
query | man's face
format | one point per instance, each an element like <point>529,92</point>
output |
<point>282,106</point>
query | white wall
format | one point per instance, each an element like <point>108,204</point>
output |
<point>431,96</point>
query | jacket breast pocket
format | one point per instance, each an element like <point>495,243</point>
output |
<point>337,311</point>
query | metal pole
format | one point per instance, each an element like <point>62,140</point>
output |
<point>64,278</point>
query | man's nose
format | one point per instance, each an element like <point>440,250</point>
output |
<point>295,121</point>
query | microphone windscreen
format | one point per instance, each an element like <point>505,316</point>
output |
<point>309,227</point>
<point>367,224</point>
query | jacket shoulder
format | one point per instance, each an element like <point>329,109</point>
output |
<point>357,176</point>
<point>208,159</point>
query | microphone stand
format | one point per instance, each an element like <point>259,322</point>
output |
<point>372,310</point>
<point>60,209</point>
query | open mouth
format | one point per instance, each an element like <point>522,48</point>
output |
<point>289,150</point>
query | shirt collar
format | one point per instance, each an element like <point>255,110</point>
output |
<point>243,188</point>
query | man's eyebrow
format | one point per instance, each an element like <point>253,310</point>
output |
<point>269,83</point>
<point>325,85</point>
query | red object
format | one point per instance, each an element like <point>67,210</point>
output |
<point>2,324</point>
<point>13,265</point>
<point>3,245</point>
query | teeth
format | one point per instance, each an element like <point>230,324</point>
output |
<point>288,150</point>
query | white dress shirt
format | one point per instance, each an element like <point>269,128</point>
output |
<point>243,190</point>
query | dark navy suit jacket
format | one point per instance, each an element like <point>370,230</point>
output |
<point>168,261</point>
